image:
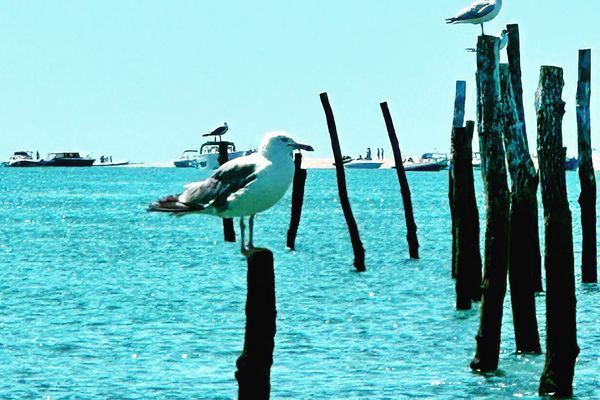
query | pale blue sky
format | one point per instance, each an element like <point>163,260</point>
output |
<point>143,80</point>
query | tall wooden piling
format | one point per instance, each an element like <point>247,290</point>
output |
<point>466,248</point>
<point>523,221</point>
<point>493,169</point>
<point>411,226</point>
<point>457,121</point>
<point>561,330</point>
<point>357,246</point>
<point>532,250</point>
<point>228,231</point>
<point>587,197</point>
<point>254,364</point>
<point>297,200</point>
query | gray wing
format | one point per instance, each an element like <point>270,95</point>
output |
<point>212,192</point>
<point>476,10</point>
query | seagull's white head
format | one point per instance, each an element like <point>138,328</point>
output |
<point>225,124</point>
<point>274,143</point>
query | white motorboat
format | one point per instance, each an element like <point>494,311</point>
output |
<point>24,159</point>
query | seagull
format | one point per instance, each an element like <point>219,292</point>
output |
<point>502,45</point>
<point>241,187</point>
<point>219,131</point>
<point>477,13</point>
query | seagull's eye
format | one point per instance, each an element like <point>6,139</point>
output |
<point>285,140</point>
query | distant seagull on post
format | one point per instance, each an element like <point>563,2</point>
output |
<point>477,13</point>
<point>219,131</point>
<point>241,187</point>
<point>502,45</point>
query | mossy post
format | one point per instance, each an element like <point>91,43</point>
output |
<point>587,197</point>
<point>228,231</point>
<point>457,121</point>
<point>254,364</point>
<point>561,329</point>
<point>493,169</point>
<point>466,250</point>
<point>514,61</point>
<point>523,224</point>
<point>297,200</point>
<point>411,226</point>
<point>357,246</point>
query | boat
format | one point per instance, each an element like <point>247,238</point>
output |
<point>208,156</point>
<point>428,162</point>
<point>571,163</point>
<point>363,164</point>
<point>67,159</point>
<point>107,161</point>
<point>477,160</point>
<point>188,159</point>
<point>23,159</point>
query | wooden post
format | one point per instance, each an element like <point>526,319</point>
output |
<point>297,200</point>
<point>411,226</point>
<point>254,364</point>
<point>457,121</point>
<point>357,246</point>
<point>228,231</point>
<point>493,169</point>
<point>514,61</point>
<point>466,249</point>
<point>523,221</point>
<point>587,198</point>
<point>561,329</point>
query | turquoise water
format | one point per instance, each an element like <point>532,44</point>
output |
<point>99,299</point>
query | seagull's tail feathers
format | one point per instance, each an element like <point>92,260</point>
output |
<point>172,205</point>
<point>451,20</point>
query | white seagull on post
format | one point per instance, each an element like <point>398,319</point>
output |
<point>241,187</point>
<point>477,13</point>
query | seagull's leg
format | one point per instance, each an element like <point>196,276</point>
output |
<point>242,232</point>
<point>482,29</point>
<point>251,233</point>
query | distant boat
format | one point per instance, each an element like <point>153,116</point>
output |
<point>67,159</point>
<point>107,161</point>
<point>571,163</point>
<point>363,164</point>
<point>208,157</point>
<point>188,159</point>
<point>23,159</point>
<point>429,162</point>
<point>476,159</point>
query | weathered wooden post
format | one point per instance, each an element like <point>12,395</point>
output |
<point>297,200</point>
<point>411,226</point>
<point>457,121</point>
<point>466,249</point>
<point>561,329</point>
<point>357,246</point>
<point>493,169</point>
<point>532,250</point>
<point>523,200</point>
<point>254,364</point>
<point>228,231</point>
<point>587,198</point>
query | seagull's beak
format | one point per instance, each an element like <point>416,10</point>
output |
<point>300,146</point>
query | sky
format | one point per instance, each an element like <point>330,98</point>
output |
<point>143,80</point>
